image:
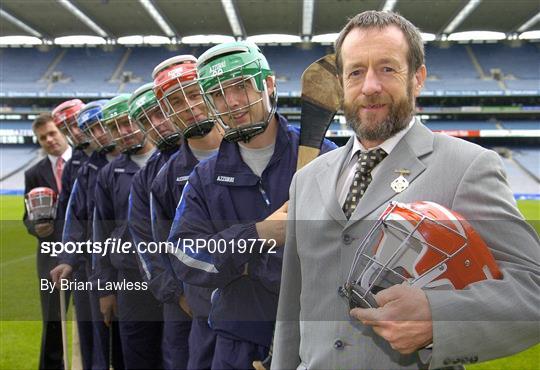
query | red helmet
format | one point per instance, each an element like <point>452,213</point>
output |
<point>179,96</point>
<point>65,118</point>
<point>41,204</point>
<point>422,243</point>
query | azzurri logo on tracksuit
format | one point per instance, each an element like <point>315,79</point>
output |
<point>138,312</point>
<point>222,201</point>
<point>177,324</point>
<point>166,192</point>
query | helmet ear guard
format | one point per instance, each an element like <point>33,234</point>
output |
<point>422,244</point>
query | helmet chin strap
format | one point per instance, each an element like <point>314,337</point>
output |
<point>82,146</point>
<point>135,148</point>
<point>199,129</point>
<point>169,142</point>
<point>107,148</point>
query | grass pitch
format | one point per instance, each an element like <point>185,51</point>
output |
<point>20,324</point>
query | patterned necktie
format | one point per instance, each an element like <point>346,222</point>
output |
<point>362,178</point>
<point>58,169</point>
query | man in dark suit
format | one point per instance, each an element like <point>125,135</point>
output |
<point>48,173</point>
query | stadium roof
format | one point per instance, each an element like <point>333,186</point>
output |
<point>175,19</point>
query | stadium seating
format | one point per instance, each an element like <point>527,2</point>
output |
<point>529,159</point>
<point>15,156</point>
<point>461,125</point>
<point>520,182</point>
<point>521,62</point>
<point>449,63</point>
<point>521,125</point>
<point>19,64</point>
<point>88,71</point>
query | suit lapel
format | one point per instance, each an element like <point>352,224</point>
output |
<point>416,143</point>
<point>327,180</point>
<point>47,173</point>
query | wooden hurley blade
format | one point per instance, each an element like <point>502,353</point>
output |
<point>321,99</point>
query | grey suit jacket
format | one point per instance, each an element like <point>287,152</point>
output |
<point>489,319</point>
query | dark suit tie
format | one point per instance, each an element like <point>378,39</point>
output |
<point>362,177</point>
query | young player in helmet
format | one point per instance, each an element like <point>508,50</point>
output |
<point>234,199</point>
<point>138,312</point>
<point>175,84</point>
<point>145,111</point>
<point>65,118</point>
<point>78,228</point>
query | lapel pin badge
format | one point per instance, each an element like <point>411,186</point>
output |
<point>400,183</point>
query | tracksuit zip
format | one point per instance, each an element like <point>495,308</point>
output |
<point>263,193</point>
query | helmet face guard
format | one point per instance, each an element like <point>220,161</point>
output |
<point>41,205</point>
<point>90,122</point>
<point>179,96</point>
<point>145,112</point>
<point>233,78</point>
<point>127,135</point>
<point>422,244</point>
<point>65,118</point>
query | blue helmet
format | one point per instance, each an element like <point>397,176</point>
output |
<point>90,122</point>
<point>90,113</point>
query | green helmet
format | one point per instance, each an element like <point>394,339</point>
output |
<point>241,62</point>
<point>232,60</point>
<point>129,138</point>
<point>145,111</point>
<point>116,107</point>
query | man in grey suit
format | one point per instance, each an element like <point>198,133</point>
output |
<point>380,62</point>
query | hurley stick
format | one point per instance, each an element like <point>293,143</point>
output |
<point>321,99</point>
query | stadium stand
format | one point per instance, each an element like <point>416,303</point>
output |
<point>461,125</point>
<point>521,125</point>
<point>14,158</point>
<point>514,61</point>
<point>449,63</point>
<point>456,67</point>
<point>520,181</point>
<point>529,159</point>
<point>85,72</point>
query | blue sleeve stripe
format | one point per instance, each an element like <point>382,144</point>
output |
<point>193,262</point>
<point>153,219</point>
<point>144,259</point>
<point>95,236</point>
<point>68,217</point>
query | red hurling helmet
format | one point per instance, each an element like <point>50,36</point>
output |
<point>179,95</point>
<point>423,244</point>
<point>41,204</point>
<point>65,118</point>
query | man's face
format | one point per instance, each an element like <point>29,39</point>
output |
<point>379,90</point>
<point>51,139</point>
<point>187,106</point>
<point>101,135</point>
<point>238,103</point>
<point>70,129</point>
<point>125,133</point>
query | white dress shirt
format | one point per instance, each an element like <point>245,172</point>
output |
<point>66,156</point>
<point>350,165</point>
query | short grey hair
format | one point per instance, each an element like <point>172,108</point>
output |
<point>379,19</point>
